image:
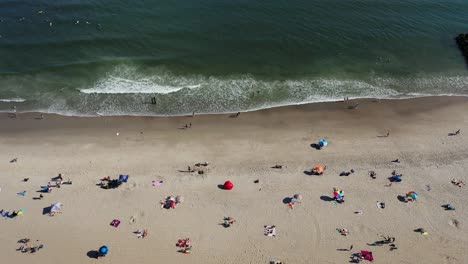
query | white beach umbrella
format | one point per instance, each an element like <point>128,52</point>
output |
<point>56,207</point>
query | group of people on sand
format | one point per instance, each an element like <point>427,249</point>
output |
<point>185,245</point>
<point>25,248</point>
<point>198,167</point>
<point>170,202</point>
<point>228,221</point>
<point>13,214</point>
<point>56,182</point>
<point>458,183</point>
<point>141,233</point>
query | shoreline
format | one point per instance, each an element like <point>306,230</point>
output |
<point>242,150</point>
<point>279,105</point>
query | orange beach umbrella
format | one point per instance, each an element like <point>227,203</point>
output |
<point>319,168</point>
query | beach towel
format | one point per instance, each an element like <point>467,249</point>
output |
<point>270,231</point>
<point>123,178</point>
<point>367,255</point>
<point>157,183</point>
<point>115,223</point>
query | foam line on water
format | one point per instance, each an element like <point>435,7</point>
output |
<point>114,85</point>
<point>126,79</point>
<point>13,100</point>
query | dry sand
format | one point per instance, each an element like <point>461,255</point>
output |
<point>242,150</point>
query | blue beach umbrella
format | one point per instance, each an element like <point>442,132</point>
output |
<point>104,250</point>
<point>323,143</point>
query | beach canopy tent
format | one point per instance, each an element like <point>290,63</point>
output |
<point>323,143</point>
<point>56,207</point>
<point>228,185</point>
<point>103,250</point>
<point>123,178</point>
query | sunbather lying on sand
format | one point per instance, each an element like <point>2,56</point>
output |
<point>458,183</point>
<point>343,231</point>
<point>228,221</point>
<point>141,233</point>
<point>184,243</point>
<point>169,202</point>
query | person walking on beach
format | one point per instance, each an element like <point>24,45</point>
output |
<point>13,112</point>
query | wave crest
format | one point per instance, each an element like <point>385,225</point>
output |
<point>127,80</point>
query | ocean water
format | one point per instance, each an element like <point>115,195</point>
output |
<point>78,57</point>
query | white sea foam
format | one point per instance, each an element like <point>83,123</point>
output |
<point>242,92</point>
<point>13,100</point>
<point>114,85</point>
<point>127,80</point>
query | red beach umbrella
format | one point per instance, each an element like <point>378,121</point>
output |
<point>228,185</point>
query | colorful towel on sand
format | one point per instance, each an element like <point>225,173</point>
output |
<point>157,183</point>
<point>270,231</point>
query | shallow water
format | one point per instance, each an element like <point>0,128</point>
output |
<point>111,57</point>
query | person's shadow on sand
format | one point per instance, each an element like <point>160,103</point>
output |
<point>93,254</point>
<point>326,198</point>
<point>46,210</point>
<point>308,173</point>
<point>287,200</point>
<point>401,198</point>
<point>315,146</point>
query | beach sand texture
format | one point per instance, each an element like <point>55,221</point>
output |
<point>241,150</point>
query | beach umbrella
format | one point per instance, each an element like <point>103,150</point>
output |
<point>228,185</point>
<point>338,194</point>
<point>413,195</point>
<point>179,199</point>
<point>319,168</point>
<point>56,207</point>
<point>104,250</point>
<point>298,196</point>
<point>323,143</point>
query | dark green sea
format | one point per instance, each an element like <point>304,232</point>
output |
<point>111,57</point>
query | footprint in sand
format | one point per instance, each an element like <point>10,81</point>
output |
<point>131,186</point>
<point>449,259</point>
<point>454,222</point>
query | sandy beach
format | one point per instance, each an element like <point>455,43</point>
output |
<point>242,150</point>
